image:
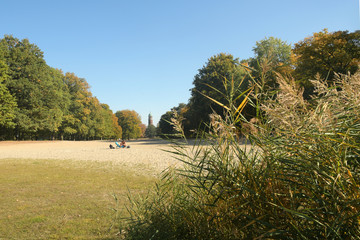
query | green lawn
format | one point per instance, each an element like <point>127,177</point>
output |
<point>62,199</point>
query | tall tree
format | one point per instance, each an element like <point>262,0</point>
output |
<point>108,126</point>
<point>38,94</point>
<point>76,122</point>
<point>271,55</point>
<point>56,99</point>
<point>129,121</point>
<point>213,78</point>
<point>325,54</point>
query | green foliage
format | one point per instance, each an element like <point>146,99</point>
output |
<point>7,101</point>
<point>37,88</point>
<point>274,49</point>
<point>150,131</point>
<point>271,55</point>
<point>210,82</point>
<point>110,126</point>
<point>49,103</point>
<point>165,126</point>
<point>79,110</point>
<point>129,121</point>
<point>298,178</point>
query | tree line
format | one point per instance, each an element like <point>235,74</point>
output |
<point>320,56</point>
<point>41,102</point>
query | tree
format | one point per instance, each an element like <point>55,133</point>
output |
<point>325,54</point>
<point>83,120</point>
<point>26,65</point>
<point>37,89</point>
<point>117,131</point>
<point>7,101</point>
<point>271,55</point>
<point>108,126</point>
<point>129,121</point>
<point>56,100</point>
<point>213,78</point>
<point>150,131</point>
<point>75,120</point>
<point>143,129</point>
<point>166,128</point>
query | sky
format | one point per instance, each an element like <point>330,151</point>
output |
<point>143,55</point>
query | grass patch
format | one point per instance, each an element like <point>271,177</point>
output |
<point>62,199</point>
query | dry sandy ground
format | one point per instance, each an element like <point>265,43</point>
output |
<point>147,155</point>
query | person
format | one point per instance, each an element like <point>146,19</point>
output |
<point>123,144</point>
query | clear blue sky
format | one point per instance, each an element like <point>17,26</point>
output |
<point>143,55</point>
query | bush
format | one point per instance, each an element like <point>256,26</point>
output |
<point>296,178</point>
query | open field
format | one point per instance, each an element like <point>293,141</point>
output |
<point>64,189</point>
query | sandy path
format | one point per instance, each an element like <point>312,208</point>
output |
<point>142,155</point>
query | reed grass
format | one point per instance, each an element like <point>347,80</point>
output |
<point>296,177</point>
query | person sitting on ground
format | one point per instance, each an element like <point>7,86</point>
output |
<point>123,144</point>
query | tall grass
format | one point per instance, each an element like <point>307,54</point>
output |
<point>296,178</point>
